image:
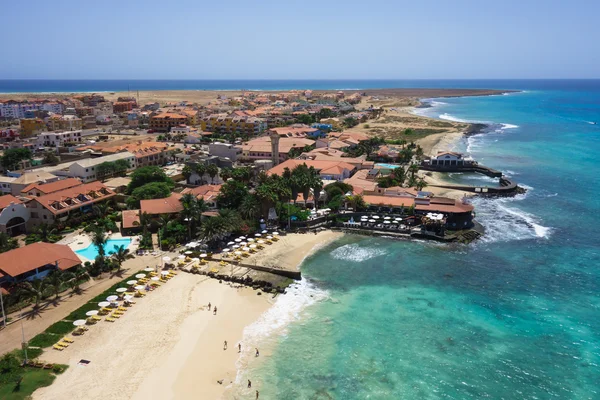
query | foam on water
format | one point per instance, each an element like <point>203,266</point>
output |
<point>273,322</point>
<point>354,252</point>
<point>503,221</point>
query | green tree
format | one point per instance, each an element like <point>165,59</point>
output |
<point>305,119</point>
<point>200,170</point>
<point>50,158</point>
<point>99,239</point>
<point>145,175</point>
<point>232,194</point>
<point>152,190</point>
<point>186,172</point>
<point>212,170</point>
<point>32,289</point>
<point>213,228</point>
<point>325,113</point>
<point>11,157</point>
<point>7,243</point>
<point>105,170</point>
<point>120,255</point>
<point>350,122</point>
<point>250,207</point>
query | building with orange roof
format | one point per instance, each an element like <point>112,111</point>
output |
<point>35,261</point>
<point>163,122</point>
<point>328,170</point>
<point>130,221</point>
<point>208,193</point>
<point>58,205</point>
<point>261,148</point>
<point>296,131</point>
<point>168,205</point>
<point>13,215</point>
<point>40,189</point>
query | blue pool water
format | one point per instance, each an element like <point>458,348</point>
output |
<point>91,251</point>
<point>513,316</point>
<point>388,166</point>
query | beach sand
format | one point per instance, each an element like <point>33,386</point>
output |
<point>169,346</point>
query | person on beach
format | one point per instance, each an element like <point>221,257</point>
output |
<point>257,354</point>
<point>209,306</point>
<point>215,311</point>
<point>239,347</point>
<point>249,384</point>
<point>225,345</point>
<point>257,395</point>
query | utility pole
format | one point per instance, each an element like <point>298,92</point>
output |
<point>2,306</point>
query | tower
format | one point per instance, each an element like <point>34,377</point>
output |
<point>275,148</point>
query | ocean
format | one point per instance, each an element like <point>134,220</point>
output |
<point>513,316</point>
<point>116,85</point>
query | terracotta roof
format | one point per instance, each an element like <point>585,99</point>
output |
<point>24,259</point>
<point>51,187</point>
<point>320,166</point>
<point>206,192</point>
<point>79,196</point>
<point>168,115</point>
<point>457,207</point>
<point>169,205</point>
<point>389,201</point>
<point>7,199</point>
<point>130,218</point>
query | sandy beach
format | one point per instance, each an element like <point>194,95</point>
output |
<point>168,345</point>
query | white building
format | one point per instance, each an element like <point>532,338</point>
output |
<point>85,169</point>
<point>15,109</point>
<point>225,150</point>
<point>6,184</point>
<point>58,139</point>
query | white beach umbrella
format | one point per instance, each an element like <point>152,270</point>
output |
<point>104,304</point>
<point>261,242</point>
<point>149,269</point>
<point>121,290</point>
<point>181,257</point>
<point>252,246</point>
<point>375,216</point>
<point>112,298</point>
<point>166,258</point>
<point>79,322</point>
<point>192,244</point>
<point>236,246</point>
<point>188,252</point>
<point>242,237</point>
<point>139,287</point>
<point>128,297</point>
<point>164,272</point>
<point>238,240</point>
<point>131,282</point>
<point>230,243</point>
<point>371,220</point>
<point>264,232</point>
<point>195,260</point>
<point>257,235</point>
<point>245,248</point>
<point>275,233</point>
<point>386,222</point>
<point>140,276</point>
<point>91,313</point>
<point>243,243</point>
<point>155,278</point>
<point>203,255</point>
<point>238,253</point>
<point>269,237</point>
<point>250,240</point>
<point>397,219</point>
<point>225,251</point>
<point>387,218</point>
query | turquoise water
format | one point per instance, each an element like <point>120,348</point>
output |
<point>91,252</point>
<point>384,165</point>
<point>514,316</point>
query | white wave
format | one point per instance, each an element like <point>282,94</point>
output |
<point>505,222</point>
<point>286,309</point>
<point>452,118</point>
<point>509,126</point>
<point>354,252</point>
<point>435,103</point>
<point>509,173</point>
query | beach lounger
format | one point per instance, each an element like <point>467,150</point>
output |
<point>57,347</point>
<point>109,319</point>
<point>68,340</point>
<point>115,316</point>
<point>95,317</point>
<point>63,344</point>
<point>121,308</point>
<point>163,280</point>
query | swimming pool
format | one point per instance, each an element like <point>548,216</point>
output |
<point>388,166</point>
<point>91,251</point>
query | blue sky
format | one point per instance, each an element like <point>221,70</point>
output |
<point>300,39</point>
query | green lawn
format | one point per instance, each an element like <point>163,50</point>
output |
<point>33,378</point>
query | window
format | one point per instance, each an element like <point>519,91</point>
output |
<point>45,217</point>
<point>35,215</point>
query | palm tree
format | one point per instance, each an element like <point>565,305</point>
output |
<point>99,239</point>
<point>55,280</point>
<point>192,211</point>
<point>212,171</point>
<point>200,170</point>
<point>120,255</point>
<point>420,184</point>
<point>226,173</point>
<point>213,228</point>
<point>250,207</point>
<point>186,172</point>
<point>34,288</point>
<point>44,231</point>
<point>75,277</point>
<point>413,169</point>
<point>100,210</point>
<point>7,243</point>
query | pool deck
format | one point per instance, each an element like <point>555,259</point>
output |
<point>79,241</point>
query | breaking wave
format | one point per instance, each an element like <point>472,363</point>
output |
<point>354,252</point>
